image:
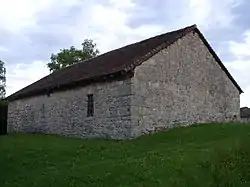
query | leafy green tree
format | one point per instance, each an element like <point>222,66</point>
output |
<point>2,80</point>
<point>72,55</point>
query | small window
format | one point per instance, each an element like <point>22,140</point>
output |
<point>90,109</point>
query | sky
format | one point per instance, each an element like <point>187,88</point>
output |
<point>30,30</point>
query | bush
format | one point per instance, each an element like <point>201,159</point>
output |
<point>3,117</point>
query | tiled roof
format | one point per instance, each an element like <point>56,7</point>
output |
<point>121,60</point>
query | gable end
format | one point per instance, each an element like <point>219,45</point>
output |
<point>218,59</point>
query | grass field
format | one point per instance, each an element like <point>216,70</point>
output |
<point>206,155</point>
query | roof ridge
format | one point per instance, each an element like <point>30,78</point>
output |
<point>140,60</point>
<point>191,27</point>
<point>116,61</point>
<point>144,40</point>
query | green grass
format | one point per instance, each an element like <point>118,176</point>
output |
<point>206,155</point>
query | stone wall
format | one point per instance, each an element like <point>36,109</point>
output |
<point>182,85</point>
<point>245,120</point>
<point>66,112</point>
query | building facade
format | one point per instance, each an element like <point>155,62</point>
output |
<point>179,84</point>
<point>245,114</point>
<point>182,85</point>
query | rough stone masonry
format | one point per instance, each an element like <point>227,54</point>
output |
<point>180,85</point>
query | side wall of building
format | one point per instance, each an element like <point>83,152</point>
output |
<point>245,120</point>
<point>182,85</point>
<point>66,112</point>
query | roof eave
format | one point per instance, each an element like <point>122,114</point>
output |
<point>82,82</point>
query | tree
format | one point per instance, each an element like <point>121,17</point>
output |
<point>72,55</point>
<point>2,80</point>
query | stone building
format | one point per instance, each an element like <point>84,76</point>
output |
<point>245,114</point>
<point>165,81</point>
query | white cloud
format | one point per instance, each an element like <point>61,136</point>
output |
<point>21,75</point>
<point>15,14</point>
<point>212,13</point>
<point>240,67</point>
<point>122,4</point>
<point>3,49</point>
<point>241,50</point>
<point>18,14</point>
<point>107,25</point>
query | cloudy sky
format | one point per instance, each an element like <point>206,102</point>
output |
<point>30,30</point>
